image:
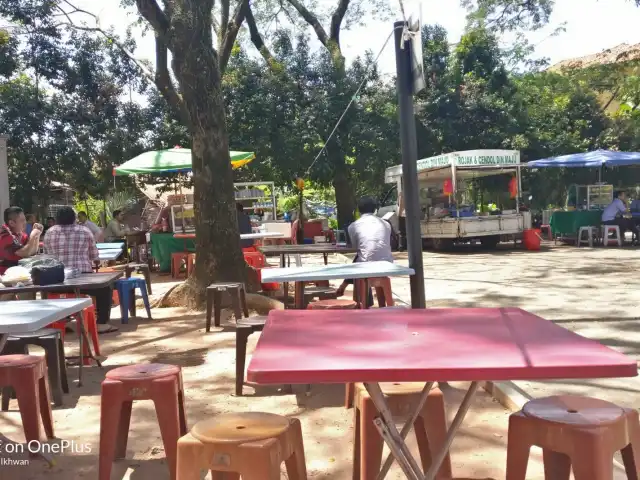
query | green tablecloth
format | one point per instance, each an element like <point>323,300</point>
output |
<point>163,245</point>
<point>568,223</point>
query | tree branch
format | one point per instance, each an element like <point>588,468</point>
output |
<point>312,20</point>
<point>153,14</point>
<point>256,38</point>
<point>224,20</point>
<point>164,83</point>
<point>231,33</point>
<point>336,20</point>
<point>613,96</point>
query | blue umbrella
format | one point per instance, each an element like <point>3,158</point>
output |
<point>597,158</point>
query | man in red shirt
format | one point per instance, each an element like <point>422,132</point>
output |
<point>14,242</point>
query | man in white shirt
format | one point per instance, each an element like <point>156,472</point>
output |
<point>93,228</point>
<point>613,214</point>
<point>370,235</point>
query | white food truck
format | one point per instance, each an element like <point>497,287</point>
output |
<point>449,217</point>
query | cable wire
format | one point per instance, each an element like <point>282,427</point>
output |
<point>364,80</point>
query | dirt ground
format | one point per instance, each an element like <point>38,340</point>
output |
<point>558,283</point>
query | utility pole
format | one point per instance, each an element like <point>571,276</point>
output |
<point>408,82</point>
<point>5,201</point>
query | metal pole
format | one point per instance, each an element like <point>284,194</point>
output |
<point>409,166</point>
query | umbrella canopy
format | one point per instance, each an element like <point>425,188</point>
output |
<point>597,158</point>
<point>171,160</point>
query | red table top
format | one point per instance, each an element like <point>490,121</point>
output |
<point>457,344</point>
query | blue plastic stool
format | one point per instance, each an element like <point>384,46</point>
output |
<point>126,288</point>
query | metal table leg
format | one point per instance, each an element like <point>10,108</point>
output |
<point>3,340</point>
<point>82,337</point>
<point>395,439</point>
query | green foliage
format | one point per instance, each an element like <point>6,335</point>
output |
<point>92,206</point>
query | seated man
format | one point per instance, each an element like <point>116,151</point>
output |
<point>83,220</point>
<point>613,214</point>
<point>116,230</point>
<point>370,235</point>
<point>14,242</point>
<point>75,246</point>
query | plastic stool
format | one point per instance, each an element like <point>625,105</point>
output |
<point>606,229</point>
<point>176,263</point>
<point>27,374</point>
<point>90,325</point>
<point>214,301</point>
<point>382,286</point>
<point>244,328</point>
<point>191,263</point>
<point>430,427</point>
<point>574,432</point>
<point>50,340</point>
<point>251,445</point>
<point>590,231</point>
<point>126,288</point>
<point>121,387</point>
<point>333,304</point>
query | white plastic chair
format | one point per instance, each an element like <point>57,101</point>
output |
<point>606,229</point>
<point>590,233</point>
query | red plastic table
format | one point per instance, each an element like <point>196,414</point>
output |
<point>395,345</point>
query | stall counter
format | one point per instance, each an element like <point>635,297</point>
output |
<point>567,223</point>
<point>164,244</point>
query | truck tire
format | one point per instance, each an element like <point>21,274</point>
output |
<point>490,242</point>
<point>441,244</point>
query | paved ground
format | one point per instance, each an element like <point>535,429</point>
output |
<point>593,291</point>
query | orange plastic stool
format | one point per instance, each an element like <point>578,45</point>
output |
<point>574,432</point>
<point>176,263</point>
<point>248,445</point>
<point>154,381</point>
<point>191,263</point>
<point>27,374</point>
<point>90,325</point>
<point>333,304</point>
<point>430,427</point>
<point>258,261</point>
<point>382,286</point>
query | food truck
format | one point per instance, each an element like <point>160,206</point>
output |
<point>448,215</point>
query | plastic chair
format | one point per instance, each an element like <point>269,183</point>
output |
<point>121,387</point>
<point>430,427</point>
<point>590,234</point>
<point>606,230</point>
<point>191,263</point>
<point>126,288</point>
<point>574,432</point>
<point>258,261</point>
<point>244,328</point>
<point>90,325</point>
<point>251,445</point>
<point>50,341</point>
<point>27,374</point>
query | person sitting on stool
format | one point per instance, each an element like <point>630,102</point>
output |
<point>613,214</point>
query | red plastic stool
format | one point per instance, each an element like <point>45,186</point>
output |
<point>153,381</point>
<point>191,263</point>
<point>382,286</point>
<point>333,304</point>
<point>574,432</point>
<point>176,263</point>
<point>430,427</point>
<point>27,374</point>
<point>90,325</point>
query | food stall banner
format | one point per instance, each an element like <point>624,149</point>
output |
<point>597,158</point>
<point>171,160</point>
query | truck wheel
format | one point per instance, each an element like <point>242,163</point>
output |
<point>440,244</point>
<point>490,242</point>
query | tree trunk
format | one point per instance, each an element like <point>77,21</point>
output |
<point>194,62</point>
<point>345,200</point>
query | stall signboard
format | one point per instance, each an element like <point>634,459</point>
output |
<point>465,159</point>
<point>183,218</point>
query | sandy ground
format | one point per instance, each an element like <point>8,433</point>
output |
<point>578,287</point>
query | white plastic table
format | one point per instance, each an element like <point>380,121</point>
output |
<point>23,316</point>
<point>314,273</point>
<point>107,255</point>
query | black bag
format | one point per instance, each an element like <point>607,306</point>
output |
<point>45,269</point>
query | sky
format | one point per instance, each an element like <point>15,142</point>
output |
<point>591,26</point>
